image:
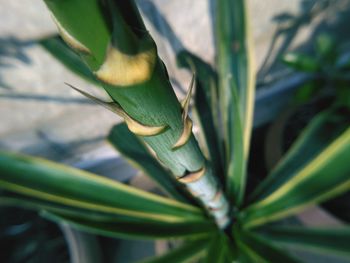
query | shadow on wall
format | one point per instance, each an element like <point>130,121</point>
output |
<point>332,17</point>
<point>12,48</point>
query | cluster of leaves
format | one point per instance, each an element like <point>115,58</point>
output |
<point>330,69</point>
<point>315,169</point>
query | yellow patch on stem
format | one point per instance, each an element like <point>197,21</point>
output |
<point>122,69</point>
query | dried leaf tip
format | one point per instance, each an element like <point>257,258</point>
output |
<point>187,122</point>
<point>141,129</point>
<point>192,177</point>
<point>133,125</point>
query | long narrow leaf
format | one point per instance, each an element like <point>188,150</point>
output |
<point>260,250</point>
<point>135,151</point>
<point>319,134</point>
<point>219,250</point>
<point>235,59</point>
<point>109,224</point>
<point>236,179</point>
<point>63,185</point>
<point>336,240</point>
<point>326,176</point>
<point>185,253</point>
<point>134,229</point>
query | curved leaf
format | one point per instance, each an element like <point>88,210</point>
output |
<point>326,176</point>
<point>219,250</point>
<point>256,249</point>
<point>121,228</point>
<point>316,137</point>
<point>68,186</point>
<point>109,224</point>
<point>336,240</point>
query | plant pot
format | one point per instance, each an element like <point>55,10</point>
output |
<point>83,247</point>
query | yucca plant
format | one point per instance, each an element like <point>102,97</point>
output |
<point>205,204</point>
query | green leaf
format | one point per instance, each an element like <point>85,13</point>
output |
<point>109,224</point>
<point>326,240</point>
<point>236,179</point>
<point>134,229</point>
<point>316,137</point>
<point>135,151</point>
<point>323,177</point>
<point>301,62</point>
<point>71,187</point>
<point>60,51</point>
<point>219,250</point>
<point>206,105</point>
<point>235,59</point>
<point>188,252</point>
<point>256,249</point>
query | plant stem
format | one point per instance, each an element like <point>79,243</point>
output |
<point>126,63</point>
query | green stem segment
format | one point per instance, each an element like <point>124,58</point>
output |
<point>112,39</point>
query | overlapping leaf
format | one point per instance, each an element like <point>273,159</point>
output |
<point>219,250</point>
<point>322,240</point>
<point>256,249</point>
<point>235,60</point>
<point>325,176</point>
<point>55,183</point>
<point>315,138</point>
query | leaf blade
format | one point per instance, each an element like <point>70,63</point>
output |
<point>235,58</point>
<point>319,134</point>
<point>49,181</point>
<point>322,240</point>
<point>323,178</point>
<point>107,224</point>
<point>133,229</point>
<point>258,250</point>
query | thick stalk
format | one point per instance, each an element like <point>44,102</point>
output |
<point>136,79</point>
